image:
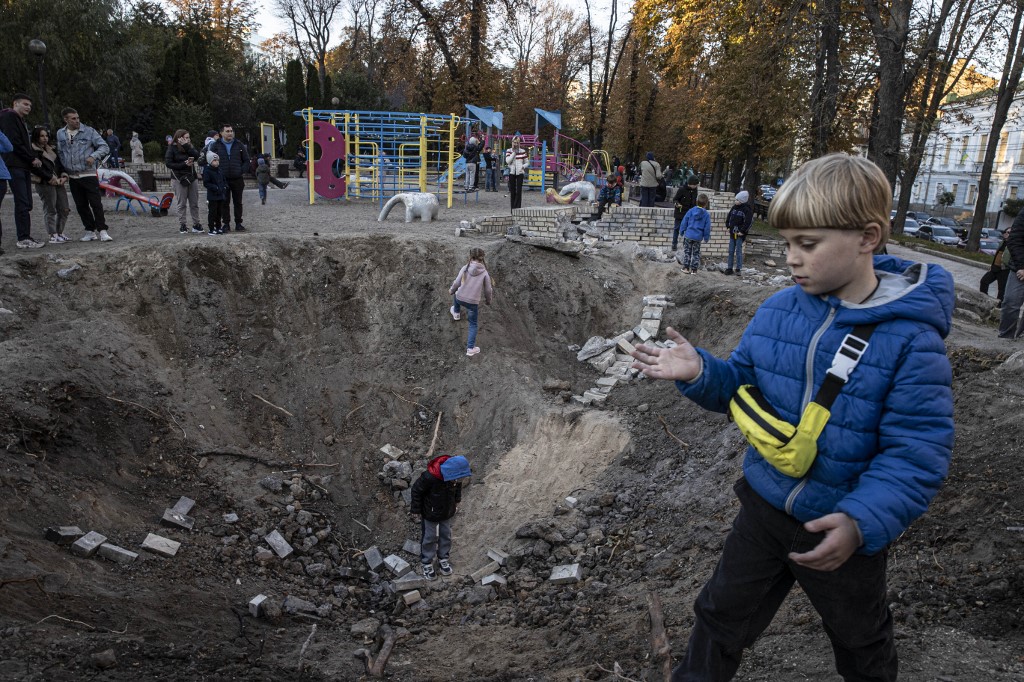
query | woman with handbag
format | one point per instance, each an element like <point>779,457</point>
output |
<point>181,159</point>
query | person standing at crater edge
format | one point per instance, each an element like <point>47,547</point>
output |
<point>436,495</point>
<point>80,148</point>
<point>234,160</point>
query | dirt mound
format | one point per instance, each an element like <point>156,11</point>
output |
<point>261,377</point>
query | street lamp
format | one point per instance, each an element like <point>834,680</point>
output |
<point>38,48</point>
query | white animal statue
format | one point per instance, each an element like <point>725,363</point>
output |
<point>417,205</point>
<point>586,189</point>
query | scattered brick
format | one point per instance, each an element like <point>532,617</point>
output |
<point>160,545</point>
<point>87,545</point>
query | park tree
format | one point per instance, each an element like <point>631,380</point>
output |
<point>1007,91</point>
<point>312,23</point>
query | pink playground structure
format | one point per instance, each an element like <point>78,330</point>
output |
<point>111,181</point>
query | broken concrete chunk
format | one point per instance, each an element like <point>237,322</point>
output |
<point>595,396</point>
<point>652,326</point>
<point>392,452</point>
<point>160,545</point>
<point>373,557</point>
<point>607,381</point>
<point>87,545</point>
<point>231,518</point>
<point>295,605</point>
<point>594,346</point>
<point>175,519</point>
<point>64,535</point>
<point>411,581</point>
<point>117,554</point>
<point>492,567</point>
<point>656,299</point>
<point>184,505</point>
<point>493,579</point>
<point>272,483</point>
<point>652,313</point>
<point>642,334</point>
<point>497,556</point>
<point>580,400</point>
<point>407,496</point>
<point>412,547</point>
<point>367,627</point>
<point>411,598</point>
<point>625,345</point>
<point>556,385</point>
<point>571,502</point>
<point>256,605</point>
<point>278,544</point>
<point>603,361</point>
<point>397,565</point>
<point>568,573</point>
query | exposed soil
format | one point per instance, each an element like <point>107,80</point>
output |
<point>174,365</point>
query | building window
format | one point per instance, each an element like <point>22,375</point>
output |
<point>1004,141</point>
<point>963,151</point>
<point>954,190</point>
<point>949,148</point>
<point>972,195</point>
<point>1013,193</point>
<point>982,147</point>
<point>917,191</point>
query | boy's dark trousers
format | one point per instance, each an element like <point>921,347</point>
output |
<point>435,541</point>
<point>217,214</point>
<point>753,578</point>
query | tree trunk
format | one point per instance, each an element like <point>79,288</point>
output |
<point>752,176</point>
<point>736,174</point>
<point>1007,89</point>
<point>632,146</point>
<point>717,172</point>
<point>825,89</point>
<point>476,30</point>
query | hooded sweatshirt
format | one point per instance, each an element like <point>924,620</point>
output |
<point>886,447</point>
<point>471,283</point>
<point>433,497</point>
<point>696,225</point>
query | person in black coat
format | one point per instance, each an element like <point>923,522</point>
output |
<point>234,160</point>
<point>217,217</point>
<point>738,223</point>
<point>685,199</point>
<point>182,159</point>
<point>435,497</point>
<point>22,165</point>
<point>998,272</point>
<point>1009,327</point>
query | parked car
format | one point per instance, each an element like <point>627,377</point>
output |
<point>990,246</point>
<point>919,216</point>
<point>939,234</point>
<point>910,227</point>
<point>959,228</point>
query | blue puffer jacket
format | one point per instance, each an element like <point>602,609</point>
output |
<point>886,448</point>
<point>5,147</point>
<point>696,224</point>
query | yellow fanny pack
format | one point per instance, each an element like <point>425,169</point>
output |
<point>792,449</point>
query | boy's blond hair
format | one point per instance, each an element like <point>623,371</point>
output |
<point>837,191</point>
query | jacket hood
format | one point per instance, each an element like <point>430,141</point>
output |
<point>922,292</point>
<point>434,466</point>
<point>475,269</point>
<point>455,468</point>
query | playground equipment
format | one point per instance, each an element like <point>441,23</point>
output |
<point>586,190</point>
<point>111,180</point>
<point>417,205</point>
<point>378,154</point>
<point>553,197</point>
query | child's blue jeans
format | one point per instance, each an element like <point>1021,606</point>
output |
<point>471,311</point>
<point>752,579</point>
<point>263,191</point>
<point>435,541</point>
<point>736,247</point>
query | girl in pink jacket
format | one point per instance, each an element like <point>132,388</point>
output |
<point>470,285</point>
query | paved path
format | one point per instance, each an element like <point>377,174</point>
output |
<point>968,276</point>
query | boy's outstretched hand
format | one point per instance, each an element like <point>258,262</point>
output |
<point>842,539</point>
<point>681,363</point>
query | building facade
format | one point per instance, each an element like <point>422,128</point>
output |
<point>956,150</point>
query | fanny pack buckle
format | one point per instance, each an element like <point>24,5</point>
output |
<point>847,357</point>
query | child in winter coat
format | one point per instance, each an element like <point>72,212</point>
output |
<point>695,227</point>
<point>874,453</point>
<point>435,498</point>
<point>262,178</point>
<point>738,223</point>
<point>216,185</point>
<point>471,284</point>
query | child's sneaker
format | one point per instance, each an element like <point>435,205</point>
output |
<point>475,350</point>
<point>197,229</point>
<point>455,316</point>
<point>428,572</point>
<point>183,229</point>
<point>213,232</point>
<point>446,568</point>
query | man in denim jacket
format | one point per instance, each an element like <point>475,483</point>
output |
<point>81,149</point>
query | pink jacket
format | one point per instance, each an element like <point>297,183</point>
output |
<point>471,282</point>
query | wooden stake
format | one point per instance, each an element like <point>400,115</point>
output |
<point>661,649</point>
<point>276,407</point>
<point>433,441</point>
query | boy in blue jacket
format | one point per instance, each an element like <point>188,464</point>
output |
<point>883,452</point>
<point>218,216</point>
<point>695,227</point>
